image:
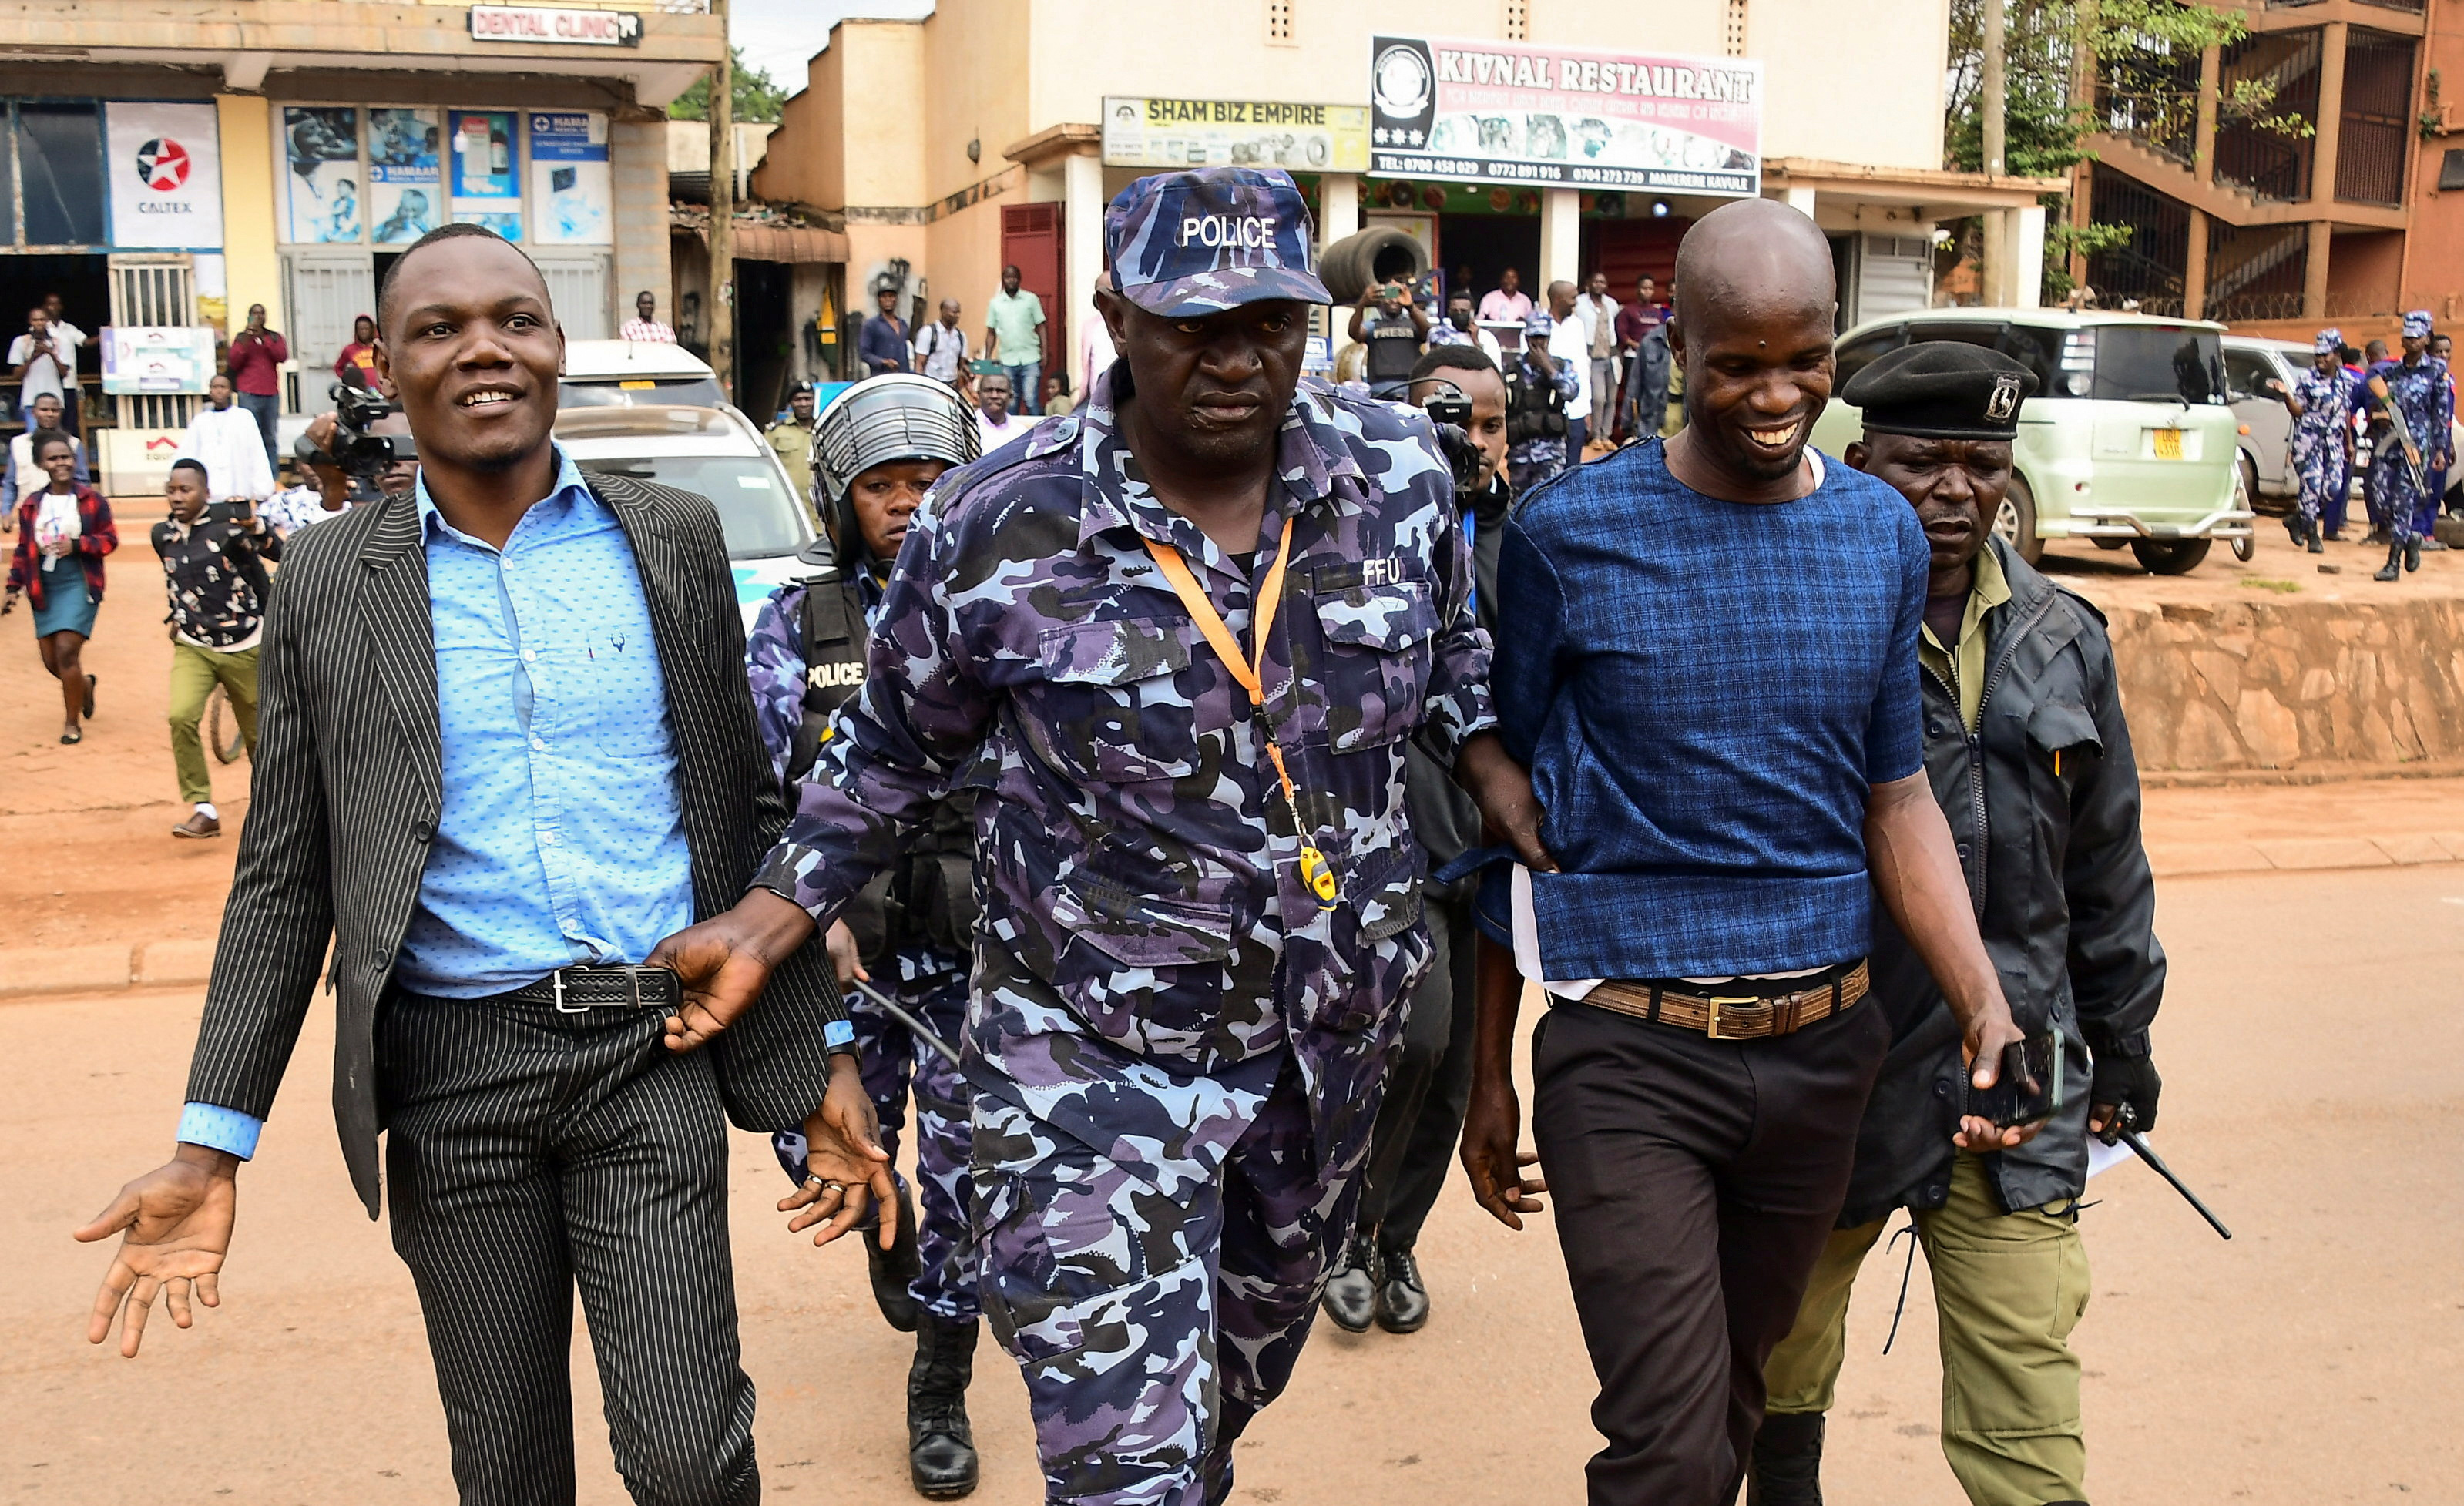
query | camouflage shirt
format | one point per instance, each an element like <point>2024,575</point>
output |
<point>1143,916</point>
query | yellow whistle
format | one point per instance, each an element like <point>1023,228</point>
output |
<point>1318,876</point>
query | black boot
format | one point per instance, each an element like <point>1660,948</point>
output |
<point>1787,1465</point>
<point>2394,567</point>
<point>940,1444</point>
<point>2412,552</point>
<point>1351,1289</point>
<point>2314,538</point>
<point>1402,1301</point>
<point>892,1268</point>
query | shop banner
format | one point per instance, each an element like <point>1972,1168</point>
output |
<point>406,179</point>
<point>166,175</point>
<point>1564,117</point>
<point>321,147</point>
<point>1235,133</point>
<point>572,197</point>
<point>487,175</point>
<point>139,359</point>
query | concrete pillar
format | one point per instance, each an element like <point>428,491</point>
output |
<point>2314,271</point>
<point>1338,207</point>
<point>252,267</point>
<point>1801,200</point>
<point>2194,269</point>
<point>1561,241</point>
<point>2027,248</point>
<point>1082,250</point>
<point>1995,281</point>
<point>2203,135</point>
<point>2331,113</point>
<point>637,166</point>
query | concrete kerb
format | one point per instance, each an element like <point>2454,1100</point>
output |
<point>44,973</point>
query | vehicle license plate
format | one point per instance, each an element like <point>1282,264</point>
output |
<point>2169,443</point>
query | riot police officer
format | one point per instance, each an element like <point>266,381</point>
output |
<point>876,452</point>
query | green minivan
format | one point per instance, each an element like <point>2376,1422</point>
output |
<point>2128,440</point>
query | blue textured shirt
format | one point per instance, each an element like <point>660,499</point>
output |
<point>1704,690</point>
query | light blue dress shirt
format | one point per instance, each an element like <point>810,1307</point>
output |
<point>562,835</point>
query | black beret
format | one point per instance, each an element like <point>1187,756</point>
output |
<point>1942,389</point>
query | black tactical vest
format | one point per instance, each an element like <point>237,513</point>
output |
<point>930,892</point>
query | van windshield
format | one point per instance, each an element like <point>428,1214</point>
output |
<point>2159,364</point>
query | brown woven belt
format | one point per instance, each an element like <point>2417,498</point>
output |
<point>1733,1016</point>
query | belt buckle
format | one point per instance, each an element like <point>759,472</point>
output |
<point>555,991</point>
<point>1716,1000</point>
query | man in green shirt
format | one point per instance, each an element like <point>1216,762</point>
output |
<point>2029,756</point>
<point>1014,334</point>
<point>793,441</point>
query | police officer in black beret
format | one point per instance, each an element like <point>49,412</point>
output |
<point>2029,755</point>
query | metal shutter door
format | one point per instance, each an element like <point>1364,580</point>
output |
<point>577,288</point>
<point>1894,275</point>
<point>326,290</point>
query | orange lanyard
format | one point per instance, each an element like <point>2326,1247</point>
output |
<point>1249,670</point>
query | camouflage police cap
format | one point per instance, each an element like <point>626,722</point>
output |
<point>1197,243</point>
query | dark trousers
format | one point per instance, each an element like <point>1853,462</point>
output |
<point>1412,1150</point>
<point>1578,434</point>
<point>1695,1183</point>
<point>530,1152</point>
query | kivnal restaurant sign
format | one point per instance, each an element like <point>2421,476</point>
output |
<point>538,23</point>
<point>1571,117</point>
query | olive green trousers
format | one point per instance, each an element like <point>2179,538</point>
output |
<point>2008,1289</point>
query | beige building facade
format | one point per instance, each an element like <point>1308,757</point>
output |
<point>162,167</point>
<point>950,147</point>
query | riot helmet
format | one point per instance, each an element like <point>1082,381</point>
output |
<point>892,416</point>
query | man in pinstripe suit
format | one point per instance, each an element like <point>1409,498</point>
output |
<point>507,747</point>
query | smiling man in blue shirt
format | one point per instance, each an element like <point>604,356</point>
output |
<point>1706,657</point>
<point>506,746</point>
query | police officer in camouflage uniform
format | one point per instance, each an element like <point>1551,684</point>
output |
<point>877,450</point>
<point>2029,756</point>
<point>1200,903</point>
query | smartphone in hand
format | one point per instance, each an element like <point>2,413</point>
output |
<point>2029,1086</point>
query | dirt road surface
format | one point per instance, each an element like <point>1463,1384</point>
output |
<point>2309,1047</point>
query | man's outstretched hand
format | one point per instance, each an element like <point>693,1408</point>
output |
<point>725,962</point>
<point>846,1167</point>
<point>175,1223</point>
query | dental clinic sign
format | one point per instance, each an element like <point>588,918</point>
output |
<point>537,23</point>
<point>1565,117</point>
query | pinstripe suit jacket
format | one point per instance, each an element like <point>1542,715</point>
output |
<point>345,794</point>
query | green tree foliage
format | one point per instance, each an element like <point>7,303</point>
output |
<point>757,97</point>
<point>2142,57</point>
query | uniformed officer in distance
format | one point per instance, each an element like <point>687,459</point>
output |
<point>875,452</point>
<point>1201,904</point>
<point>2029,756</point>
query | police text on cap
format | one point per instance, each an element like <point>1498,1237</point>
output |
<point>1223,230</point>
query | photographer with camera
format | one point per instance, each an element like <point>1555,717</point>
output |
<point>360,452</point>
<point>1389,321</point>
<point>1414,1142</point>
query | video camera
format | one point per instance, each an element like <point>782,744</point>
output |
<point>1449,413</point>
<point>360,453</point>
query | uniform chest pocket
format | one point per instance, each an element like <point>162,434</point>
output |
<point>1375,664</point>
<point>1113,707</point>
<point>2066,738</point>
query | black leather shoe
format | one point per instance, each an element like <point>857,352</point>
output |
<point>892,1268</point>
<point>1787,1465</point>
<point>1351,1297</point>
<point>940,1442</point>
<point>1402,1301</point>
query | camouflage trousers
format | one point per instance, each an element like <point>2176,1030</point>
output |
<point>1156,1291</point>
<point>932,985</point>
<point>2395,497</point>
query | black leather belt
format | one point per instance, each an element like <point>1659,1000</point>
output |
<point>570,990</point>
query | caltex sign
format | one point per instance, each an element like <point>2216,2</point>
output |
<point>166,181</point>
